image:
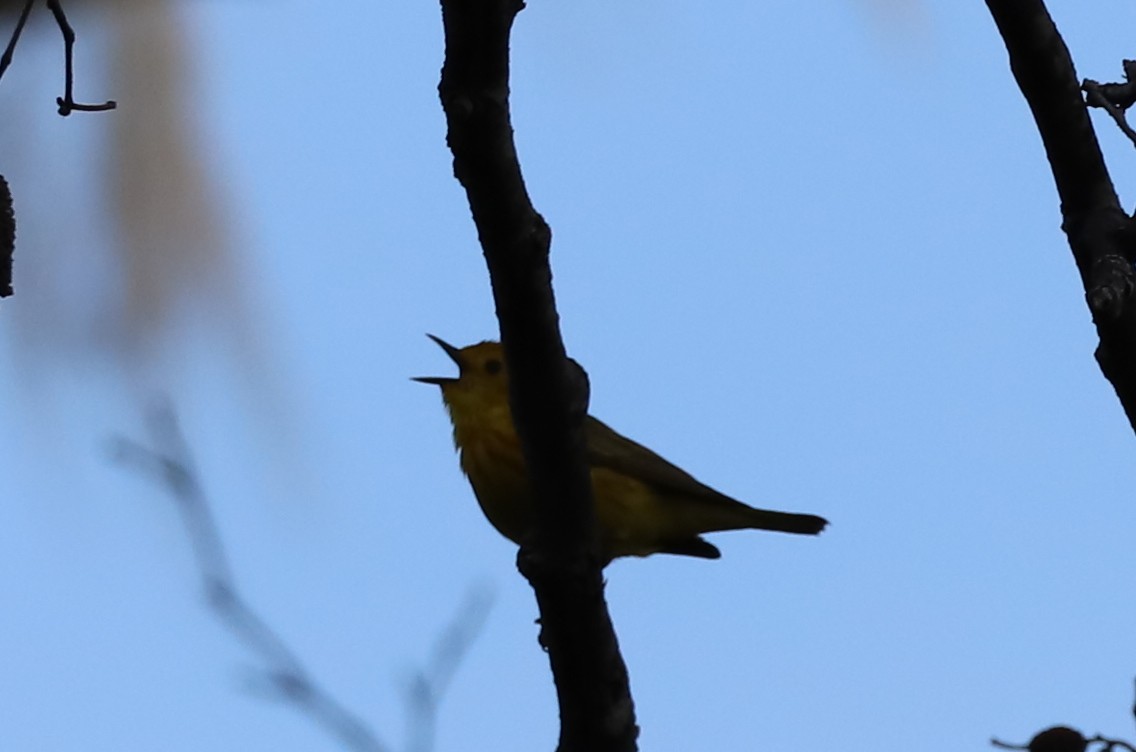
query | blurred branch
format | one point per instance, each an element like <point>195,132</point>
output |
<point>169,464</point>
<point>427,686</point>
<point>1101,235</point>
<point>67,103</point>
<point>548,393</point>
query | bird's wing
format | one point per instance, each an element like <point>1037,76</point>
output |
<point>607,448</point>
<point>700,508</point>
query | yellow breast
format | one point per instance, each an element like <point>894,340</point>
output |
<point>491,458</point>
<point>626,513</point>
<point>629,519</point>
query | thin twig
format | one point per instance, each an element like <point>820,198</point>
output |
<point>1111,744</point>
<point>1062,738</point>
<point>1096,97</point>
<point>284,675</point>
<point>1115,99</point>
<point>67,103</point>
<point>6,58</point>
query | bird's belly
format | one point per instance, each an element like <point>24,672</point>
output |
<point>628,515</point>
<point>497,475</point>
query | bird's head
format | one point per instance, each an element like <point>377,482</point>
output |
<point>482,383</point>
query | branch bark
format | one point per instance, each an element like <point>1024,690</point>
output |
<point>7,238</point>
<point>1100,234</point>
<point>549,392</point>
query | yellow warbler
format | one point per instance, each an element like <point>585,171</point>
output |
<point>643,504</point>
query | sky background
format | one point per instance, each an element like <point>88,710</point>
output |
<point>810,252</point>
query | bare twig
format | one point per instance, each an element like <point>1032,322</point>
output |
<point>1065,739</point>
<point>1109,745</point>
<point>1055,739</point>
<point>67,103</point>
<point>284,676</point>
<point>6,58</point>
<point>1115,99</point>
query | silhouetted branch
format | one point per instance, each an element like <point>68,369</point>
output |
<point>1101,235</point>
<point>548,393</point>
<point>6,58</point>
<point>1065,739</point>
<point>1115,99</point>
<point>7,237</point>
<point>284,677</point>
<point>67,103</point>
<point>1056,739</point>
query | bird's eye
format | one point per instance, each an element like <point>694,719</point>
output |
<point>493,366</point>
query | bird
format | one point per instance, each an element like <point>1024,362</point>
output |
<point>643,504</point>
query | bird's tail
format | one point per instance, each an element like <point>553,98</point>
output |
<point>784,522</point>
<point>716,511</point>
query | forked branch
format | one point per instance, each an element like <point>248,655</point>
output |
<point>1100,234</point>
<point>66,103</point>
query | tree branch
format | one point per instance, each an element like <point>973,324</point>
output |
<point>7,238</point>
<point>1100,234</point>
<point>1115,99</point>
<point>1065,739</point>
<point>67,103</point>
<point>549,393</point>
<point>10,49</point>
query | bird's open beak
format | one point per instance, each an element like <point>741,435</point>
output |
<point>455,355</point>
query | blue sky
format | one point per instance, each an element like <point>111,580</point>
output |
<point>808,251</point>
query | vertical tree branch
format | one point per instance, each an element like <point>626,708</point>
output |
<point>548,392</point>
<point>1100,233</point>
<point>7,238</point>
